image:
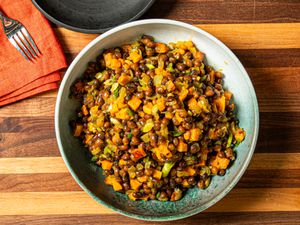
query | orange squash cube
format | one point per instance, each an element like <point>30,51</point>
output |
<point>182,147</point>
<point>134,103</point>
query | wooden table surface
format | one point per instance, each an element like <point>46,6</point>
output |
<point>36,188</point>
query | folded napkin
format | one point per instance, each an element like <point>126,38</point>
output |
<point>20,78</point>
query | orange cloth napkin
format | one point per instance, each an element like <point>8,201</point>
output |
<point>20,78</point>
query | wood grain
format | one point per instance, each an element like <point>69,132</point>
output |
<point>39,182</point>
<point>26,124</point>
<point>240,218</point>
<point>41,144</point>
<point>54,203</point>
<point>238,11</point>
<point>235,36</point>
<point>265,178</point>
<point>265,58</point>
<point>30,107</point>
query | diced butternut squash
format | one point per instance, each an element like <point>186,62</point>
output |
<point>117,186</point>
<point>201,163</point>
<point>191,171</point>
<point>111,62</point>
<point>124,79</point>
<point>194,106</point>
<point>84,110</point>
<point>157,174</point>
<point>135,56</point>
<point>88,137</point>
<point>220,163</point>
<point>195,134</point>
<point>106,164</point>
<point>141,114</point>
<point>134,103</point>
<point>199,56</point>
<point>191,90</point>
<point>123,114</point>
<point>227,95</point>
<point>161,48</point>
<point>131,197</point>
<point>187,135</point>
<point>170,86</point>
<point>212,134</point>
<point>122,162</point>
<point>161,103</point>
<point>185,183</point>
<point>179,119</point>
<point>212,77</point>
<point>169,115</point>
<point>239,135</point>
<point>220,103</point>
<point>182,147</point>
<point>183,94</point>
<point>183,44</point>
<point>111,180</point>
<point>114,109</point>
<point>138,153</point>
<point>148,108</point>
<point>143,179</point>
<point>95,151</point>
<point>78,130</point>
<point>162,149</point>
<point>135,184</point>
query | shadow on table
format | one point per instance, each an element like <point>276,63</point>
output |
<point>160,9</point>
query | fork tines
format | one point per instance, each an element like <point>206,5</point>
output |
<point>23,42</point>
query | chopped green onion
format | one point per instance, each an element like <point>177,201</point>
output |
<point>203,78</point>
<point>167,168</point>
<point>229,140</point>
<point>176,133</point>
<point>139,166</point>
<point>237,144</point>
<point>145,138</point>
<point>129,136</point>
<point>116,92</point>
<point>150,66</point>
<point>99,75</point>
<point>94,158</point>
<point>130,113</point>
<point>158,195</point>
<point>107,150</point>
<point>170,67</point>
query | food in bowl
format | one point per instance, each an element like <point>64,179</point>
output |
<point>156,118</point>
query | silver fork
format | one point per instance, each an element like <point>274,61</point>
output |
<point>20,38</point>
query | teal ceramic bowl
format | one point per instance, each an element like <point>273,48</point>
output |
<point>90,177</point>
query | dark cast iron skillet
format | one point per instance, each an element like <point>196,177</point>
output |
<point>92,16</point>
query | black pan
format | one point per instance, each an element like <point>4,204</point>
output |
<point>92,16</point>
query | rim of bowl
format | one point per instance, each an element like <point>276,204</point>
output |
<point>86,30</point>
<point>254,102</point>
